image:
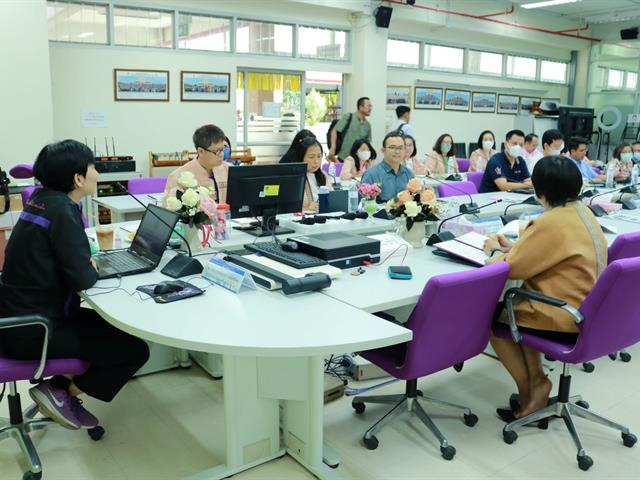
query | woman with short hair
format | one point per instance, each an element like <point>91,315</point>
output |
<point>442,158</point>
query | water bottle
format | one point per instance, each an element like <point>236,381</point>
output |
<point>480,164</point>
<point>353,198</point>
<point>332,170</point>
<point>635,173</point>
<point>323,199</point>
<point>611,174</point>
<point>450,168</point>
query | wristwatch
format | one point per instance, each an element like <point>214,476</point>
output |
<point>494,250</point>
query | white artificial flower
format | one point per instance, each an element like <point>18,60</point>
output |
<point>187,180</point>
<point>190,198</point>
<point>173,204</point>
<point>411,209</point>
<point>204,192</point>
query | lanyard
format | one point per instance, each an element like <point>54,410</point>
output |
<point>215,186</point>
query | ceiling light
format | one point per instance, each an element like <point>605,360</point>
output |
<point>548,3</point>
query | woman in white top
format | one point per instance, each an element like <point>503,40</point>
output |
<point>486,149</point>
<point>442,159</point>
<point>311,154</point>
<point>362,156</point>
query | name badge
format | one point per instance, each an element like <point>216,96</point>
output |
<point>227,275</point>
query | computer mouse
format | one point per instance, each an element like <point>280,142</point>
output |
<point>289,246</point>
<point>167,287</point>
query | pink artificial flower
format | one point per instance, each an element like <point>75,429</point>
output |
<point>208,206</point>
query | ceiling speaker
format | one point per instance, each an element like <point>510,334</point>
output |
<point>383,16</point>
<point>629,33</point>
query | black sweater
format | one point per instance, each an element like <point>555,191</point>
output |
<point>47,259</point>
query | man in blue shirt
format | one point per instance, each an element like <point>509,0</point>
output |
<point>390,174</point>
<point>577,152</point>
<point>507,170</point>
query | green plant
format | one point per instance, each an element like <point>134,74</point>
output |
<point>315,107</point>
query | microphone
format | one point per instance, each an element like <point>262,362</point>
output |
<point>464,208</point>
<point>532,200</point>
<point>627,204</point>
<point>440,236</point>
<point>180,265</point>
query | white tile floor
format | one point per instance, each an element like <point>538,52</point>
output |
<point>169,425</point>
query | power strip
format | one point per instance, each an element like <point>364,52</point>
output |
<point>363,369</point>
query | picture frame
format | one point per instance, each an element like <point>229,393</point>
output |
<point>483,102</point>
<point>526,102</point>
<point>205,86</point>
<point>140,85</point>
<point>398,95</point>
<point>508,104</point>
<point>427,98</point>
<point>457,100</point>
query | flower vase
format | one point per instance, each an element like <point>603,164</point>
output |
<point>414,236</point>
<point>193,238</point>
<point>370,206</point>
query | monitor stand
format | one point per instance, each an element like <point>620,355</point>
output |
<point>268,225</point>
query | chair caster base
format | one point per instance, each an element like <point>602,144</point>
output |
<point>448,452</point>
<point>470,420</point>
<point>371,443</point>
<point>625,357</point>
<point>629,439</point>
<point>509,436</point>
<point>585,462</point>
<point>584,404</point>
<point>588,367</point>
<point>96,433</point>
<point>32,476</point>
<point>359,407</point>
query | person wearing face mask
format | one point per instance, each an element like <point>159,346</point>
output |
<point>227,153</point>
<point>623,161</point>
<point>311,154</point>
<point>442,159</point>
<point>636,152</point>
<point>507,170</point>
<point>486,149</point>
<point>578,155</point>
<point>48,261</point>
<point>362,157</point>
<point>530,152</point>
<point>552,144</point>
<point>390,174</point>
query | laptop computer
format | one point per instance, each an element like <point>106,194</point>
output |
<point>147,247</point>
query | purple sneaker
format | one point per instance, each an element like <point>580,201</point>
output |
<point>86,418</point>
<point>55,403</point>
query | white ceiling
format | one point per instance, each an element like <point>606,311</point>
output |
<point>593,11</point>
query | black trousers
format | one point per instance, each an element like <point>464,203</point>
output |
<point>114,356</point>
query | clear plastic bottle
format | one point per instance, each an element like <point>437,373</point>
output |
<point>332,170</point>
<point>611,175</point>
<point>480,164</point>
<point>450,168</point>
<point>353,198</point>
<point>635,174</point>
<point>222,218</point>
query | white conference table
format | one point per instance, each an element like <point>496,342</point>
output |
<point>124,208</point>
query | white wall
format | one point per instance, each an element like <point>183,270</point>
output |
<point>26,121</point>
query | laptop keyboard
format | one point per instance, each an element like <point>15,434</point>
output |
<point>122,261</point>
<point>274,251</point>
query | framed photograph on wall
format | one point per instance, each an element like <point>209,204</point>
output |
<point>398,95</point>
<point>526,102</point>
<point>141,85</point>
<point>427,98</point>
<point>204,86</point>
<point>483,102</point>
<point>508,104</point>
<point>457,100</point>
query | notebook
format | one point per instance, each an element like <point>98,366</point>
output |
<point>469,246</point>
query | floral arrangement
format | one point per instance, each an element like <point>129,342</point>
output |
<point>369,190</point>
<point>193,202</point>
<point>416,203</point>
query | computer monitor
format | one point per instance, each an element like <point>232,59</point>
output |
<point>575,122</point>
<point>265,191</point>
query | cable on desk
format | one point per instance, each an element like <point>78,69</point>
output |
<point>112,289</point>
<point>367,263</point>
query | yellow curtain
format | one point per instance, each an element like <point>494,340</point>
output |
<point>270,81</point>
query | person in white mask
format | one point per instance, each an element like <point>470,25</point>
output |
<point>530,153</point>
<point>486,149</point>
<point>442,159</point>
<point>552,144</point>
<point>361,157</point>
<point>507,170</point>
<point>636,152</point>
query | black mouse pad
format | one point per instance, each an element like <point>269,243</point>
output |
<point>188,290</point>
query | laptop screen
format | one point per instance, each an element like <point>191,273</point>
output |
<point>152,235</point>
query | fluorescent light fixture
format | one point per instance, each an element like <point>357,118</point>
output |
<point>86,34</point>
<point>548,3</point>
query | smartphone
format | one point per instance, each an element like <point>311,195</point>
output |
<point>400,272</point>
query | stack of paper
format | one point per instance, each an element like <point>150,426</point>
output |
<point>469,246</point>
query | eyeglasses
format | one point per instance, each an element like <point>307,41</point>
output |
<point>397,148</point>
<point>218,153</point>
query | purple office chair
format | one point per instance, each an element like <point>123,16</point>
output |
<point>138,186</point>
<point>446,190</point>
<point>28,191</point>
<point>325,167</point>
<point>21,170</point>
<point>608,322</point>
<point>21,423</point>
<point>463,164</point>
<point>446,332</point>
<point>475,178</point>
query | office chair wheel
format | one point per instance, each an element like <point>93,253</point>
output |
<point>629,439</point>
<point>625,357</point>
<point>420,393</point>
<point>448,452</point>
<point>371,443</point>
<point>588,367</point>
<point>613,355</point>
<point>585,462</point>
<point>583,404</point>
<point>470,420</point>
<point>509,436</point>
<point>31,476</point>
<point>358,407</point>
<point>96,433</point>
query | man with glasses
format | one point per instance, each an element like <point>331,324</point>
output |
<point>209,167</point>
<point>390,174</point>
